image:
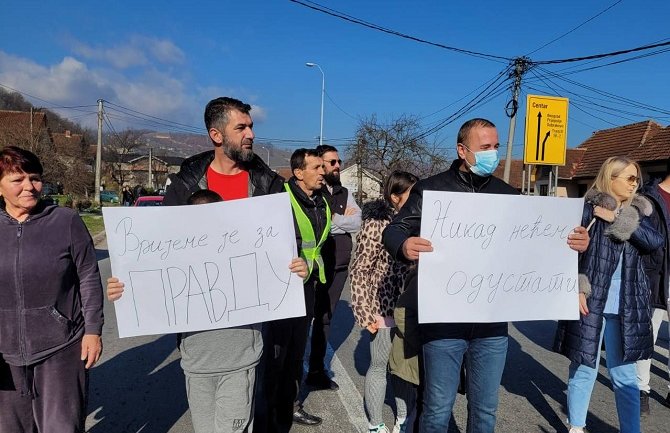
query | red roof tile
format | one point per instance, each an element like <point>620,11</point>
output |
<point>573,160</point>
<point>515,173</point>
<point>64,141</point>
<point>656,148</point>
<point>15,126</point>
<point>619,141</point>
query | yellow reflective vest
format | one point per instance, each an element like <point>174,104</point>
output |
<point>310,249</point>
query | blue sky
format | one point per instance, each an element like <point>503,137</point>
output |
<point>168,58</point>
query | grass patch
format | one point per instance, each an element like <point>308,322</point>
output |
<point>94,223</point>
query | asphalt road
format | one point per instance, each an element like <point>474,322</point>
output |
<point>139,387</point>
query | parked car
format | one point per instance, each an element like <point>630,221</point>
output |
<point>109,196</point>
<point>149,200</point>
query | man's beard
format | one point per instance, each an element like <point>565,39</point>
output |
<point>237,154</point>
<point>332,178</point>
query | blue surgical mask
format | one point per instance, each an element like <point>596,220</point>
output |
<point>486,162</point>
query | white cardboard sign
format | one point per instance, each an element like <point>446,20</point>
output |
<point>192,268</point>
<point>497,258</point>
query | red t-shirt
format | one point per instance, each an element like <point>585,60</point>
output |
<point>228,186</point>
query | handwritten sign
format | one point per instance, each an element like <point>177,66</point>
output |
<point>192,268</point>
<point>497,258</point>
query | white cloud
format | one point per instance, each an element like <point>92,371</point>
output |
<point>136,51</point>
<point>150,90</point>
<point>258,113</point>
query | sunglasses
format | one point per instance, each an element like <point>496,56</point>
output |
<point>332,162</point>
<point>632,180</point>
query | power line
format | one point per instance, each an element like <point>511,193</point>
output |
<point>640,56</point>
<point>575,28</point>
<point>489,93</point>
<point>159,119</point>
<point>328,11</point>
<point>620,99</point>
<point>53,105</point>
<point>600,56</point>
<point>501,73</point>
<point>340,108</point>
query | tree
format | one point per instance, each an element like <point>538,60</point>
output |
<point>118,148</point>
<point>397,145</point>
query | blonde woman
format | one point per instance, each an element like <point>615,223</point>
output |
<point>615,306</point>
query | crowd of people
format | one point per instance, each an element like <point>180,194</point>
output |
<point>248,378</point>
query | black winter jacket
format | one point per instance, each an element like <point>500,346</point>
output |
<point>50,289</point>
<point>630,233</point>
<point>192,177</point>
<point>315,209</point>
<point>407,223</point>
<point>656,263</point>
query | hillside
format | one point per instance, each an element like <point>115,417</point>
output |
<point>162,143</point>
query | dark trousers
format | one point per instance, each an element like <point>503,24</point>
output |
<point>47,397</point>
<point>327,296</point>
<point>284,344</point>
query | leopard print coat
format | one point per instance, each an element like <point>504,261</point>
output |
<point>376,279</point>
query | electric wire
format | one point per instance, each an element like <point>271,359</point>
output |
<point>135,113</point>
<point>620,99</point>
<point>575,28</point>
<point>332,12</point>
<point>604,55</point>
<point>586,100</point>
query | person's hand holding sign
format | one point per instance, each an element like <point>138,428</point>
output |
<point>415,245</point>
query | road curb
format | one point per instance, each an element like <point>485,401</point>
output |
<point>99,237</point>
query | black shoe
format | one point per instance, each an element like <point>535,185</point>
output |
<point>303,418</point>
<point>644,403</point>
<point>666,402</point>
<point>321,381</point>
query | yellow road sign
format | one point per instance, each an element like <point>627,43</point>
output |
<point>546,130</point>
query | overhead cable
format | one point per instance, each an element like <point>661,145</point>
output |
<point>328,11</point>
<point>575,28</point>
<point>600,56</point>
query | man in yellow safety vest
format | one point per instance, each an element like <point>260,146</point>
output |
<point>286,339</point>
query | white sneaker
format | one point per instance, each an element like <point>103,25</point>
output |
<point>381,428</point>
<point>576,430</point>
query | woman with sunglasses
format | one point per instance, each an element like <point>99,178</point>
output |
<point>615,305</point>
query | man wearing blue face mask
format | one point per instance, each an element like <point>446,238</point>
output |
<point>445,345</point>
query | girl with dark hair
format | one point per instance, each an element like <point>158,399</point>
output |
<point>376,283</point>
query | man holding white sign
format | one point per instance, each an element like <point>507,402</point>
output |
<point>446,344</point>
<point>220,365</point>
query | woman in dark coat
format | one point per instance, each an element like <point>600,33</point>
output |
<point>50,304</point>
<point>376,283</point>
<point>616,304</point>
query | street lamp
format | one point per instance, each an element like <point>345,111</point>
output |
<point>323,93</point>
<point>268,151</point>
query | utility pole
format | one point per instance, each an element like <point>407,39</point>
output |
<point>32,134</point>
<point>359,169</point>
<point>98,154</point>
<point>151,182</point>
<point>521,66</point>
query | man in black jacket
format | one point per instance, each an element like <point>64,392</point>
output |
<point>445,344</point>
<point>285,339</point>
<point>656,266</point>
<point>346,217</point>
<point>220,364</point>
